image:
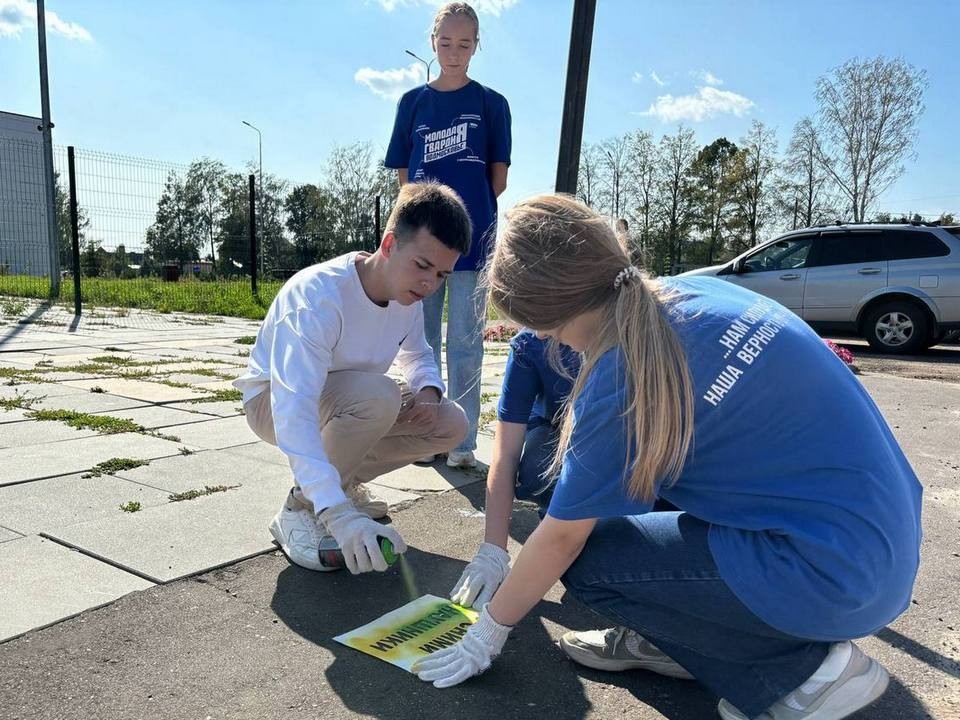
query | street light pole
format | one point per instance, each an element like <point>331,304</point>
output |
<point>427,64</point>
<point>49,183</point>
<point>260,192</point>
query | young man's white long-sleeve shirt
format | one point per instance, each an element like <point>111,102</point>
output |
<point>320,322</point>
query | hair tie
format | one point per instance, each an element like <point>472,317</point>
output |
<point>627,275</point>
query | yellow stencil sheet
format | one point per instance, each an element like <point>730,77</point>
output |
<point>411,632</point>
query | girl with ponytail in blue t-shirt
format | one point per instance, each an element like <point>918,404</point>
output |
<point>797,526</point>
<point>456,131</point>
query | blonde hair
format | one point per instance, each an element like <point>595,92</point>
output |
<point>455,8</point>
<point>557,259</point>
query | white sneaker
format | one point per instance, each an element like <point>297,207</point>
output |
<point>298,532</point>
<point>461,459</point>
<point>425,460</point>
<point>618,649</point>
<point>366,503</point>
<point>861,681</point>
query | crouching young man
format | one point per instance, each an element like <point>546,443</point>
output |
<point>316,384</point>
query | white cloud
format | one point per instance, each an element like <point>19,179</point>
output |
<point>488,7</point>
<point>707,102</point>
<point>391,84</point>
<point>19,15</point>
<point>708,78</point>
<point>656,79</point>
<point>638,77</point>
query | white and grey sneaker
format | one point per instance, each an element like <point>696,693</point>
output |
<point>366,503</point>
<point>461,459</point>
<point>858,681</point>
<point>618,649</point>
<point>298,533</point>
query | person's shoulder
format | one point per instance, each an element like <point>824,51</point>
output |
<point>524,340</point>
<point>491,94</point>
<point>411,95</point>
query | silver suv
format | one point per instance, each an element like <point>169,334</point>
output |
<point>896,285</point>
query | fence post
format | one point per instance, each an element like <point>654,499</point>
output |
<point>253,236</point>
<point>575,95</point>
<point>74,230</point>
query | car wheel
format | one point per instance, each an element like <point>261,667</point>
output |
<point>897,327</point>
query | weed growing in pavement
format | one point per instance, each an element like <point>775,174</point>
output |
<point>246,340</point>
<point>220,396</point>
<point>113,465</point>
<point>19,401</point>
<point>97,389</point>
<point>186,451</point>
<point>103,424</point>
<point>487,417</point>
<point>193,494</point>
<point>12,308</point>
<point>131,506</point>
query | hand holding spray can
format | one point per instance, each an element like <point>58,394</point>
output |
<point>331,556</point>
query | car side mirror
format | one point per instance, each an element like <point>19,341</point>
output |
<point>737,267</point>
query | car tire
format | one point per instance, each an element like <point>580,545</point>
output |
<point>898,328</point>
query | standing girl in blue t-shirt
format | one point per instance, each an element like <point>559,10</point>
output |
<point>457,131</point>
<point>798,521</point>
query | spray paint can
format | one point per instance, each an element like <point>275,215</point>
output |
<point>331,556</point>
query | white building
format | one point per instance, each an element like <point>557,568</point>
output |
<point>24,245</point>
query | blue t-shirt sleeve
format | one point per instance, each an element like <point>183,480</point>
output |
<point>521,385</point>
<point>398,151</point>
<point>500,142</point>
<point>592,482</point>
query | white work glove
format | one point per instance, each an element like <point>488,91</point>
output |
<point>482,577</point>
<point>469,657</point>
<point>358,538</point>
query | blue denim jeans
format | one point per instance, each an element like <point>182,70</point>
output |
<point>655,574</point>
<point>466,319</point>
<point>532,484</point>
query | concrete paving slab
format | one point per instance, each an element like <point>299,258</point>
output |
<point>42,582</point>
<point>36,432</point>
<point>156,416</point>
<point>48,505</point>
<point>208,467</point>
<point>37,390</point>
<point>219,433</point>
<point>214,385</point>
<point>434,478</point>
<point>183,538</point>
<point>189,378</point>
<point>6,534</point>
<point>392,496</point>
<point>74,456</point>
<point>221,408</point>
<point>12,415</point>
<point>88,402</point>
<point>262,451</point>
<point>138,389</point>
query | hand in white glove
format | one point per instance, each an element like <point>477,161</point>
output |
<point>359,538</point>
<point>482,577</point>
<point>469,657</point>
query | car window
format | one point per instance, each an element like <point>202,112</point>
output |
<point>846,248</point>
<point>907,244</point>
<point>786,254</point>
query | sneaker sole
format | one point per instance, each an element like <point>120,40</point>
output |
<point>871,684</point>
<point>590,659</point>
<point>277,534</point>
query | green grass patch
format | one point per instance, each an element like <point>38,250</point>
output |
<point>16,374</point>
<point>131,506</point>
<point>487,417</point>
<point>487,397</point>
<point>108,467</point>
<point>246,340</point>
<point>208,372</point>
<point>103,424</point>
<point>193,494</point>
<point>220,396</point>
<point>19,401</point>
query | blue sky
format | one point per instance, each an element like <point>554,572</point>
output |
<point>172,80</point>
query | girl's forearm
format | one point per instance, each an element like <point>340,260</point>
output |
<point>501,480</point>
<point>549,551</point>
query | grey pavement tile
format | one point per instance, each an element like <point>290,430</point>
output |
<point>73,456</point>
<point>434,478</point>
<point>88,402</point>
<point>182,538</point>
<point>42,582</point>
<point>208,467</point>
<point>19,357</point>
<point>213,385</point>
<point>48,505</point>
<point>391,496</point>
<point>191,379</point>
<point>12,415</point>
<point>222,408</point>
<point>219,433</point>
<point>6,534</point>
<point>262,451</point>
<point>37,432</point>
<point>138,389</point>
<point>38,390</point>
<point>155,416</point>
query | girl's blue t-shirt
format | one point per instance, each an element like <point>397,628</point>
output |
<point>453,137</point>
<point>532,391</point>
<point>814,510</point>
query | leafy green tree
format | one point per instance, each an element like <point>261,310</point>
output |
<point>310,222</point>
<point>205,180</point>
<point>755,168</point>
<point>675,186</point>
<point>714,191</point>
<point>177,230</point>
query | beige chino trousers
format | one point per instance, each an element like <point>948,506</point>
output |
<point>362,426</point>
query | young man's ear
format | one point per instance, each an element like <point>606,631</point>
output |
<point>388,244</point>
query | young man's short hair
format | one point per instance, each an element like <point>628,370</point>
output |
<point>434,207</point>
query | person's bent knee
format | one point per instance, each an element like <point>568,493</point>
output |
<point>452,425</point>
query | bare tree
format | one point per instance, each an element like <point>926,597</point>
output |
<point>756,172</point>
<point>353,180</point>
<point>677,153</point>
<point>589,177</point>
<point>615,182</point>
<point>807,194</point>
<point>867,117</point>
